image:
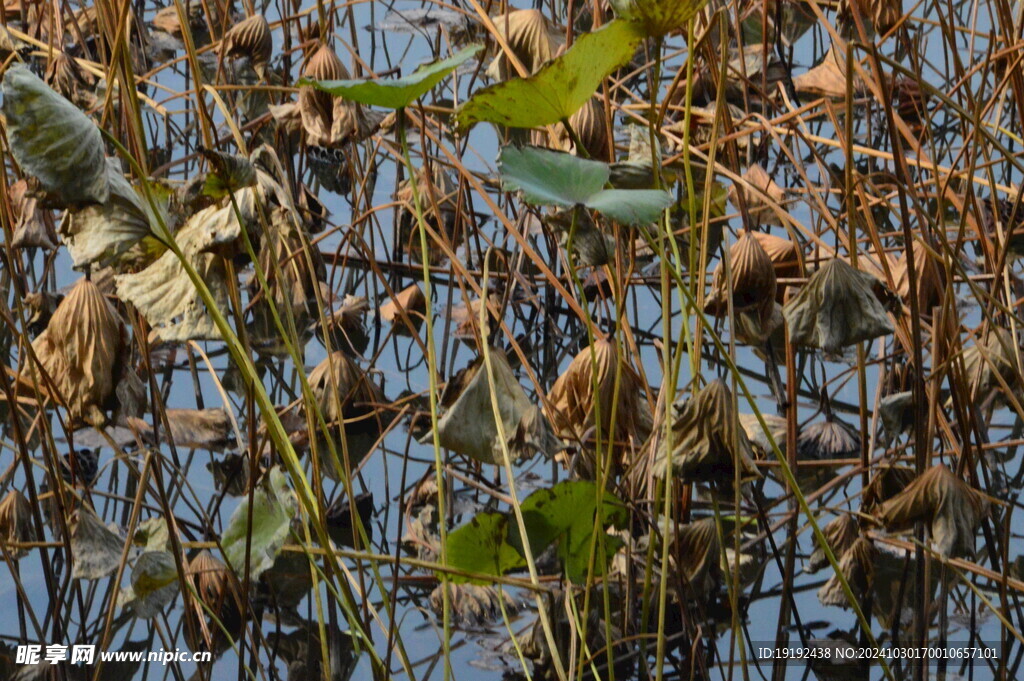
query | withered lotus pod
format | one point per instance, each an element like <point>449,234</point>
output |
<point>532,39</point>
<point>16,521</point>
<point>708,440</point>
<point>760,197</point>
<point>952,508</point>
<point>212,580</point>
<point>828,439</point>
<point>840,533</point>
<point>753,280</point>
<point>250,38</point>
<point>468,425</point>
<point>80,351</point>
<point>573,399</point>
<point>837,307</point>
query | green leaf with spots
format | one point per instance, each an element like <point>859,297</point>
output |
<point>555,178</point>
<point>560,88</point>
<point>396,93</point>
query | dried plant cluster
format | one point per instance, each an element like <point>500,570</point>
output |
<point>590,335</point>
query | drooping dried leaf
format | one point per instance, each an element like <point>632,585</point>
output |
<point>658,17</point>
<point>952,508</point>
<point>930,278</point>
<point>250,38</point>
<point>760,196</point>
<point>116,231</point>
<point>897,413</point>
<point>80,350</point>
<point>228,173</point>
<point>840,533</point>
<point>589,125</point>
<point>989,358</point>
<point>439,201</point>
<point>708,441</point>
<point>759,439</point>
<point>16,522</point>
<point>349,401</point>
<point>468,425</point>
<point>532,39</point>
<point>65,76</point>
<point>52,140</point>
<point>857,565</point>
<point>699,549</point>
<point>33,227</point>
<point>885,483</point>
<point>95,548</point>
<point>753,280</point>
<point>586,391</point>
<point>837,307</point>
<point>213,581</point>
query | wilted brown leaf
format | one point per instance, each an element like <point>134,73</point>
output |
<point>951,507</point>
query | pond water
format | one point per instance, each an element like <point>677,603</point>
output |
<point>362,228</point>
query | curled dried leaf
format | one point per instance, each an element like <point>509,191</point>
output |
<point>33,227</point>
<point>411,302</point>
<point>840,534</point>
<point>761,195</point>
<point>250,38</point>
<point>585,395</point>
<point>753,280</point>
<point>95,548</point>
<point>708,441</point>
<point>80,351</point>
<point>532,39</point>
<point>16,522</point>
<point>837,307</point>
<point>472,605</point>
<point>828,79</point>
<point>468,425</point>
<point>212,580</point>
<point>952,508</point>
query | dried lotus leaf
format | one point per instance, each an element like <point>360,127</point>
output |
<point>250,38</point>
<point>154,585</point>
<point>16,522</point>
<point>164,293</point>
<point>212,580</point>
<point>708,440</point>
<point>986,360</point>
<point>116,231</point>
<point>930,278</point>
<point>439,202</point>
<point>191,428</point>
<point>95,548</point>
<point>409,302</point>
<point>579,396</point>
<point>349,401</point>
<point>699,550</point>
<point>887,482</point>
<point>80,350</point>
<point>761,195</point>
<point>828,79</point>
<point>753,280</point>
<point>759,438</point>
<point>315,106</point>
<point>857,565</point>
<point>53,140</point>
<point>468,425</point>
<point>837,307</point>
<point>952,508</point>
<point>840,534</point>
<point>532,39</point>
<point>589,125</point>
<point>33,227</point>
<point>658,17</point>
